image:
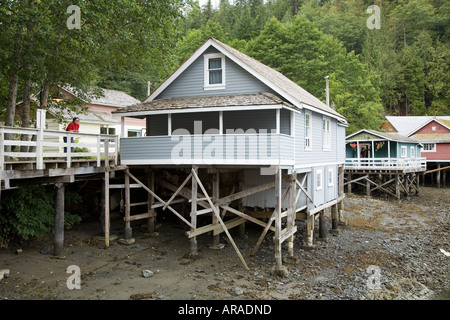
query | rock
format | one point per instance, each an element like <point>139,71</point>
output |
<point>147,273</point>
<point>46,250</point>
<point>4,273</point>
<point>19,251</point>
<point>238,291</point>
<point>126,241</point>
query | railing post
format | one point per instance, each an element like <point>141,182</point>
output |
<point>40,149</point>
<point>116,152</point>
<point>99,153</point>
<point>69,150</point>
<point>2,149</point>
<point>106,143</point>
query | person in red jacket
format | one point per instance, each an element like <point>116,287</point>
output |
<point>74,126</point>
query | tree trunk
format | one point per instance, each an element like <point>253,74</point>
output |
<point>26,109</point>
<point>11,107</point>
<point>42,105</point>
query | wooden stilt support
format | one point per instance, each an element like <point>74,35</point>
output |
<point>150,201</point>
<point>322,227</point>
<point>291,212</point>
<point>349,188</point>
<point>341,220</point>
<point>215,221</point>
<point>438,176</point>
<point>240,201</point>
<point>278,204</point>
<point>128,232</point>
<point>367,187</point>
<point>217,213</point>
<point>397,186</point>
<point>59,220</point>
<point>194,212</point>
<point>334,219</point>
<point>106,207</point>
<point>309,230</point>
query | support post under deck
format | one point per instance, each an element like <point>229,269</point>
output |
<point>59,220</point>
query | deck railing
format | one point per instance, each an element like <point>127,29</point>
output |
<point>415,164</point>
<point>49,145</point>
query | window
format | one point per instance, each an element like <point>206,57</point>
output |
<point>214,71</point>
<point>330,177</point>
<point>319,179</point>
<point>433,128</point>
<point>404,151</point>
<point>326,133</point>
<point>133,133</point>
<point>107,130</point>
<point>429,147</point>
<point>308,131</point>
<point>413,152</point>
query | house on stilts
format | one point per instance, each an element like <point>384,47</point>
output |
<point>235,141</point>
<point>386,162</point>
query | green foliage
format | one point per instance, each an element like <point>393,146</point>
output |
<point>305,55</point>
<point>29,212</point>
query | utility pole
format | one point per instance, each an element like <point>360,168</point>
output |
<point>327,89</point>
<point>148,88</point>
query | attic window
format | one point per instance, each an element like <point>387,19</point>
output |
<point>214,71</point>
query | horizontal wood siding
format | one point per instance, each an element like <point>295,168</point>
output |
<point>318,154</point>
<point>190,83</point>
<point>211,148</point>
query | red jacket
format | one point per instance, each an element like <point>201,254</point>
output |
<point>72,126</point>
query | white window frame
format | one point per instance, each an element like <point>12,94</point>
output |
<point>330,177</point>
<point>326,133</point>
<point>319,179</point>
<point>429,150</point>
<point>218,86</point>
<point>308,138</point>
<point>412,151</point>
<point>403,151</point>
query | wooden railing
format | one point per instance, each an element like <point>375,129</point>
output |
<point>49,145</point>
<point>416,164</point>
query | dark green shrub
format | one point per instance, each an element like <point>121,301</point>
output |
<point>29,212</point>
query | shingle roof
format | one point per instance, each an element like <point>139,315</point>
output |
<point>112,98</point>
<point>286,88</point>
<point>432,137</point>
<point>87,116</point>
<point>115,98</point>
<point>281,81</point>
<point>406,125</point>
<point>242,100</point>
<point>393,136</point>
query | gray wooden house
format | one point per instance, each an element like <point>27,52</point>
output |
<point>263,147</point>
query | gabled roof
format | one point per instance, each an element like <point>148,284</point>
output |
<point>262,100</point>
<point>390,136</point>
<point>432,137</point>
<point>283,86</point>
<point>408,125</point>
<point>111,98</point>
<point>85,117</point>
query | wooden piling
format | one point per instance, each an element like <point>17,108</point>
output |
<point>194,212</point>
<point>59,220</point>
<point>106,207</point>
<point>151,200</point>
<point>128,232</point>
<point>278,209</point>
<point>215,195</point>
<point>322,228</point>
